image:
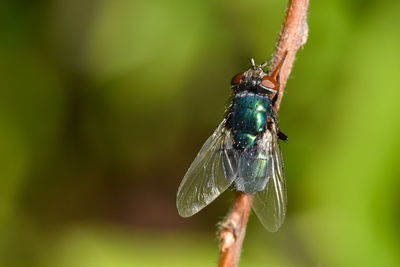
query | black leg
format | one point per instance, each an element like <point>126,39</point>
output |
<point>282,136</point>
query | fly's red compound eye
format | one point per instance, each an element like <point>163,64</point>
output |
<point>236,79</point>
<point>269,82</point>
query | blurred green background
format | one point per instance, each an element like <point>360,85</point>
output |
<point>104,104</point>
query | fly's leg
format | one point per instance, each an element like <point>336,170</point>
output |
<point>282,136</point>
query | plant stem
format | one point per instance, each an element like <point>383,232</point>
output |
<point>292,37</point>
<point>233,230</point>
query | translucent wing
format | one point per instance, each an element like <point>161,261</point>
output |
<point>252,170</point>
<point>270,203</point>
<point>210,174</point>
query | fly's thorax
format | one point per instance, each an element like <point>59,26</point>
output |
<point>249,116</point>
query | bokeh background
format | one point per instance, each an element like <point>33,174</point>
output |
<point>104,104</point>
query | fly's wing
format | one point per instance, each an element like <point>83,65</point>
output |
<point>270,203</point>
<point>210,174</point>
<point>252,170</point>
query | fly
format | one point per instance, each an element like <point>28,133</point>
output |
<point>243,152</point>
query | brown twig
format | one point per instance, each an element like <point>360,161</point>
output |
<point>233,230</point>
<point>293,36</point>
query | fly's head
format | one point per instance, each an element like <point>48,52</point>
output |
<point>255,80</point>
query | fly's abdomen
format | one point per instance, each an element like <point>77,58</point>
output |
<point>249,115</point>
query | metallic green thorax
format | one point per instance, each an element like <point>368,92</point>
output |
<point>249,116</point>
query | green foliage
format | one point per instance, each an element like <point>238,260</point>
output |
<point>103,105</point>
